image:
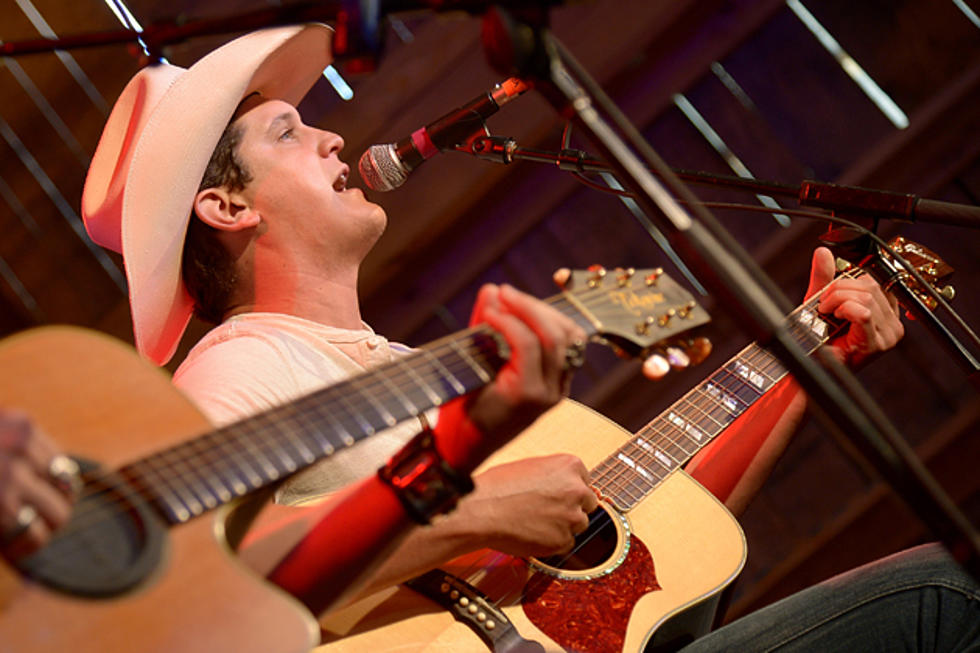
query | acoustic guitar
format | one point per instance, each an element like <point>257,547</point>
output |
<point>135,568</point>
<point>647,573</point>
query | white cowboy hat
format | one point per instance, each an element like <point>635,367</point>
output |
<point>154,149</point>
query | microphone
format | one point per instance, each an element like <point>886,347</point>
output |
<point>385,167</point>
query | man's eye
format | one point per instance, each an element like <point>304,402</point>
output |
<point>286,134</point>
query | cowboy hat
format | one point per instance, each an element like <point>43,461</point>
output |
<point>150,160</point>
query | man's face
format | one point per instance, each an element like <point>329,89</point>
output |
<point>299,183</point>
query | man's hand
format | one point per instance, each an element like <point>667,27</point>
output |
<point>532,507</point>
<point>33,501</point>
<point>873,314</point>
<point>534,379</point>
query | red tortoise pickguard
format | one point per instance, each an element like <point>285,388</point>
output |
<point>591,615</point>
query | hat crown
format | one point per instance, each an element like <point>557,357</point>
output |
<point>107,175</point>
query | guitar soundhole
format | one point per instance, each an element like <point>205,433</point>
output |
<point>111,543</point>
<point>594,546</point>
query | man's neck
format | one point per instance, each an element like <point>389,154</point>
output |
<point>328,301</point>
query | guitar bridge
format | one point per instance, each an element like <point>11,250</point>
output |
<point>471,607</point>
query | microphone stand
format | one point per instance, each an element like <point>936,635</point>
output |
<point>840,403</point>
<point>841,200</point>
<point>904,207</point>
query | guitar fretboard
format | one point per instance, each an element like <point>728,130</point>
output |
<point>673,437</point>
<point>204,472</point>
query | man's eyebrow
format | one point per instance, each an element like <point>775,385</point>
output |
<point>285,118</point>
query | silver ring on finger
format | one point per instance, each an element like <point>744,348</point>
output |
<point>25,517</point>
<point>65,473</point>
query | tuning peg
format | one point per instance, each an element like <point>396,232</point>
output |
<point>946,292</point>
<point>623,276</point>
<point>597,274</point>
<point>697,349</point>
<point>677,358</point>
<point>642,328</point>
<point>664,319</point>
<point>686,309</point>
<point>651,279</point>
<point>655,367</point>
<point>562,278</point>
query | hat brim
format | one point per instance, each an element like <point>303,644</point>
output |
<point>173,152</point>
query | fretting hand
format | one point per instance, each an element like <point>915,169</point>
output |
<point>873,314</point>
<point>535,377</point>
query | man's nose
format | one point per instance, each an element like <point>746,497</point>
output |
<point>330,143</point>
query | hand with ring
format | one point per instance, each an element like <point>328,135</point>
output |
<point>37,485</point>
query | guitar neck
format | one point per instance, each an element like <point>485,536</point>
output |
<point>672,438</point>
<point>193,477</point>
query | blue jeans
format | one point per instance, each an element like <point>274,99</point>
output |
<point>917,600</point>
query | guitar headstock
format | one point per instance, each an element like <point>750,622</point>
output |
<point>636,312</point>
<point>932,268</point>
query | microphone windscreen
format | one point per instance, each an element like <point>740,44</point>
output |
<point>380,168</point>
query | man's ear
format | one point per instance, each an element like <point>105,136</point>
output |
<point>225,210</point>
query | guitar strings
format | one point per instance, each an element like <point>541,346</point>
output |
<point>754,353</point>
<point>590,298</point>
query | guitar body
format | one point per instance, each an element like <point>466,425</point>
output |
<point>100,402</point>
<point>685,547</point>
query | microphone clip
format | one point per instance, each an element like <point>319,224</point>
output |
<point>499,149</point>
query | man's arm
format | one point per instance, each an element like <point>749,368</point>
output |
<point>530,507</point>
<point>736,465</point>
<point>365,524</point>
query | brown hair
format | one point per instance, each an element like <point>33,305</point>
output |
<point>207,266</point>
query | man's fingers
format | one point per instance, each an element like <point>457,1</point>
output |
<point>822,270</point>
<point>840,295</point>
<point>556,332</point>
<point>525,354</point>
<point>591,502</point>
<point>19,435</point>
<point>487,297</point>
